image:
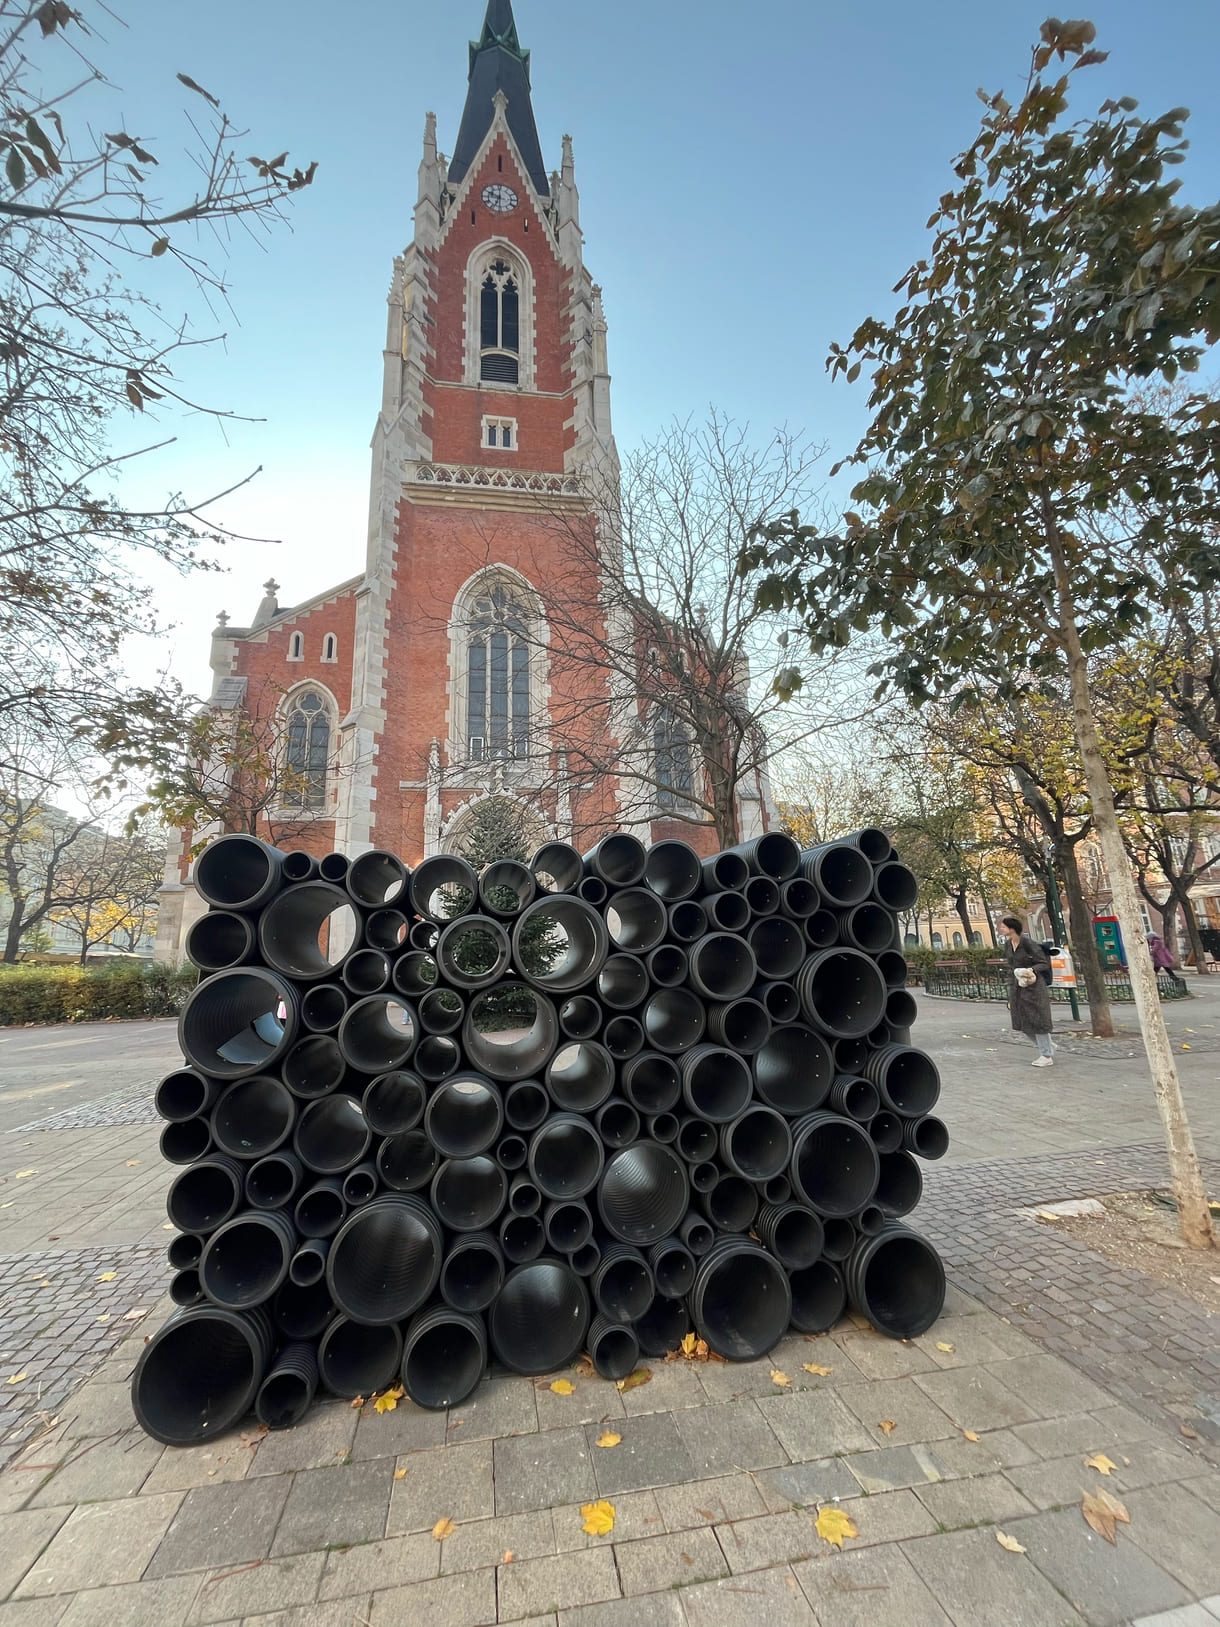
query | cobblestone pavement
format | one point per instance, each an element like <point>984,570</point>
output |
<point>133,1105</point>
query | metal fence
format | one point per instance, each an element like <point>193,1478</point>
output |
<point>965,982</point>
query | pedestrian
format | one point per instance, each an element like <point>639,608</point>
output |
<point>1162,958</point>
<point>1029,994</point>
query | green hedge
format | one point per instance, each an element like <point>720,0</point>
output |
<point>89,994</point>
<point>922,960</point>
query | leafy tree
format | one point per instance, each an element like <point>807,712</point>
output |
<point>1063,272</point>
<point>84,353</point>
<point>112,881</point>
<point>38,840</point>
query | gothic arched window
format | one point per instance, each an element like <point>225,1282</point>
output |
<point>497,676</point>
<point>307,753</point>
<point>499,324</point>
<point>671,760</point>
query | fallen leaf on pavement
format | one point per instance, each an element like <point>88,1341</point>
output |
<point>561,1386</point>
<point>134,1316</point>
<point>642,1375</point>
<point>507,1557</point>
<point>969,1434</point>
<point>1103,1513</point>
<point>887,1426</point>
<point>169,1226</point>
<point>24,1174</point>
<point>400,1474</point>
<point>598,1518</point>
<point>584,1367</point>
<point>357,1402</point>
<point>132,1162</point>
<point>1101,1463</point>
<point>779,1378</point>
<point>1045,1214</point>
<point>16,1378</point>
<point>948,1349</point>
<point>688,1345</point>
<point>390,1399</point>
<point>105,1317</point>
<point>817,1371</point>
<point>1011,1543</point>
<point>1188,1432</point>
<point>443,1528</point>
<point>108,1276</point>
<point>832,1525</point>
<point>608,1438</point>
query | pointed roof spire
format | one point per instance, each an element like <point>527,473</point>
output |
<point>498,63</point>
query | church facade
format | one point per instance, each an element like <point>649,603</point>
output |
<point>436,679</point>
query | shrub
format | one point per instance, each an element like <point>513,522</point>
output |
<point>922,960</point>
<point>80,994</point>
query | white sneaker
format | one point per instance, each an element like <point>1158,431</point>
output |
<point>1043,1062</point>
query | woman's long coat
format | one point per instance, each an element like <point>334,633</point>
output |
<point>1031,1008</point>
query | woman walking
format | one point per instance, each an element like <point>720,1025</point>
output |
<point>1029,995</point>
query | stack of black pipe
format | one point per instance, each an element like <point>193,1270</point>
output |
<point>585,1103</point>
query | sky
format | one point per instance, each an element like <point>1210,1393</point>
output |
<point>753,180</point>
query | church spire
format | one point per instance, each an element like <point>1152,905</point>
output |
<point>498,63</point>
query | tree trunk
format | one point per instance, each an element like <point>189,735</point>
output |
<point>12,938</point>
<point>963,913</point>
<point>1084,943</point>
<point>1190,922</point>
<point>995,942</point>
<point>1194,1217</point>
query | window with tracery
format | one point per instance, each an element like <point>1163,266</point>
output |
<point>307,752</point>
<point>500,324</point>
<point>671,760</point>
<point>497,677</point>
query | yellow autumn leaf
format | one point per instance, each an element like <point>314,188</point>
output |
<point>443,1528</point>
<point>388,1401</point>
<point>24,1174</point>
<point>832,1525</point>
<point>598,1518</point>
<point>607,1438</point>
<point>1011,1543</point>
<point>16,1378</point>
<point>1101,1463</point>
<point>948,1349</point>
<point>642,1375</point>
<point>561,1386</point>
<point>779,1378</point>
<point>169,1226</point>
<point>108,1276</point>
<point>1103,1513</point>
<point>969,1434</point>
<point>584,1367</point>
<point>132,1162</point>
<point>507,1557</point>
<point>817,1371</point>
<point>688,1345</point>
<point>105,1317</point>
<point>887,1426</point>
<point>400,1474</point>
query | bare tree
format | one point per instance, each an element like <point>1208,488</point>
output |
<point>38,839</point>
<point>111,879</point>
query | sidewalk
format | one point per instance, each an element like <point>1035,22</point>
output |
<point>1055,1356</point>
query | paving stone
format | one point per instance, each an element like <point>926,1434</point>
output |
<point>891,1516</point>
<point>392,1563</point>
<point>712,1502</point>
<point>978,1584</point>
<point>351,1612</point>
<point>97,1545</point>
<point>181,1468</point>
<point>731,1436</point>
<point>322,1438</point>
<point>892,1467</point>
<point>980,1501</point>
<point>674,1385</point>
<point>1054,1437</point>
<point>593,1401</point>
<point>330,1506</point>
<point>815,1424</point>
<point>1123,1423</point>
<point>1054,1484</point>
<point>549,1620</point>
<point>276,1584</point>
<point>774,1539</point>
<point>485,1542</point>
<point>867,1587</point>
<point>33,1612</point>
<point>651,1453</point>
<point>1208,1488</point>
<point>97,1409</point>
<point>221,1525</point>
<point>670,1561</point>
<point>389,1434</point>
<point>995,1449</point>
<point>97,1470</point>
<point>449,1481</point>
<point>901,1402</point>
<point>538,1471</point>
<point>730,1380</point>
<point>808,1483</point>
<point>135,1604</point>
<point>538,1585</point>
<point>773,1597</point>
<point>468,1600</point>
<point>635,1515</point>
<point>973,1396</point>
<point>1048,1386</point>
<point>499,1406</point>
<point>1189,1615</point>
<point>878,1357</point>
<point>645,1610</point>
<point>1178,1530</point>
<point>1107,1585</point>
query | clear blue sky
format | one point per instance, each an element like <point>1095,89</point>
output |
<point>754,179</point>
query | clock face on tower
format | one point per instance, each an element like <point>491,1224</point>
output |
<point>500,198</point>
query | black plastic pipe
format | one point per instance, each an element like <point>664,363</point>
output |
<point>444,1355</point>
<point>870,1221</point>
<point>841,873</point>
<point>624,1037</point>
<point>332,1135</point>
<point>394,1102</point>
<point>740,1302</point>
<point>622,982</point>
<point>522,1238</point>
<point>286,1393</point>
<point>662,1127</point>
<point>897,1281</point>
<point>378,1034</point>
<point>437,1056</point>
<point>613,1348</point>
<point>636,920</point>
<point>308,1264</point>
<point>386,1260</point>
<point>238,872</point>
<point>506,888</point>
<point>272,1182</point>
<point>867,927</point>
<point>901,1009</point>
<point>731,1205</point>
<point>524,1198</point>
<point>568,1225</point>
<point>231,1025</point>
<point>206,1194</point>
<point>415,973</point>
<point>253,1117</point>
<point>839,1237</point>
<point>298,867</point>
<point>526,1104</point>
<point>798,899</point>
<point>366,971</point>
<point>726,912</point>
<point>622,1284</point>
<point>696,1140</point>
<point>778,945</point>
<point>355,1358</point>
<point>854,1097</point>
<point>667,965</point>
<point>893,968</point>
<point>518,1052</point>
<point>722,967</point>
<point>464,1116</point>
<point>842,992</point>
<point>539,1321</point>
<point>762,895</point>
<point>386,929</point>
<point>928,1137</point>
<point>376,879</point>
<point>899,1184</point>
<point>322,1007</point>
<point>185,1251</point>
<point>407,1162</point>
<point>822,928</point>
<point>696,1234</point>
<point>186,1141</point>
<point>772,854</point>
<point>566,1157</point>
<point>673,1268</point>
<point>781,1001</point>
<point>302,1312</point>
<point>887,1130</point>
<point>512,1151</point>
<point>424,936</point>
<point>245,1260</point>
<point>872,842</point>
<point>672,869</point>
<point>834,1165</point>
<point>333,867</point>
<point>777,1190</point>
<point>468,1194</point>
<point>307,929</point>
<point>850,1055</point>
<point>651,1082</point>
<point>319,1211</point>
<point>663,1325</point>
<point>819,1296</point>
<point>557,868</point>
<point>186,1289</point>
<point>443,887</point>
<point>184,1094</point>
<point>473,952</point>
<point>580,1076</point>
<point>687,921</point>
<point>792,1232</point>
<point>314,1066</point>
<point>219,940</point>
<point>360,1185</point>
<point>619,860</point>
<point>585,1260</point>
<point>742,1025</point>
<point>907,1079</point>
<point>724,872</point>
<point>673,1020</point>
<point>757,1144</point>
<point>199,1373</point>
<point>593,890</point>
<point>617,1123</point>
<point>895,887</point>
<point>472,1273</point>
<point>580,1017</point>
<point>716,1083</point>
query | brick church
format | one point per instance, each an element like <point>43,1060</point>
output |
<point>435,678</point>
